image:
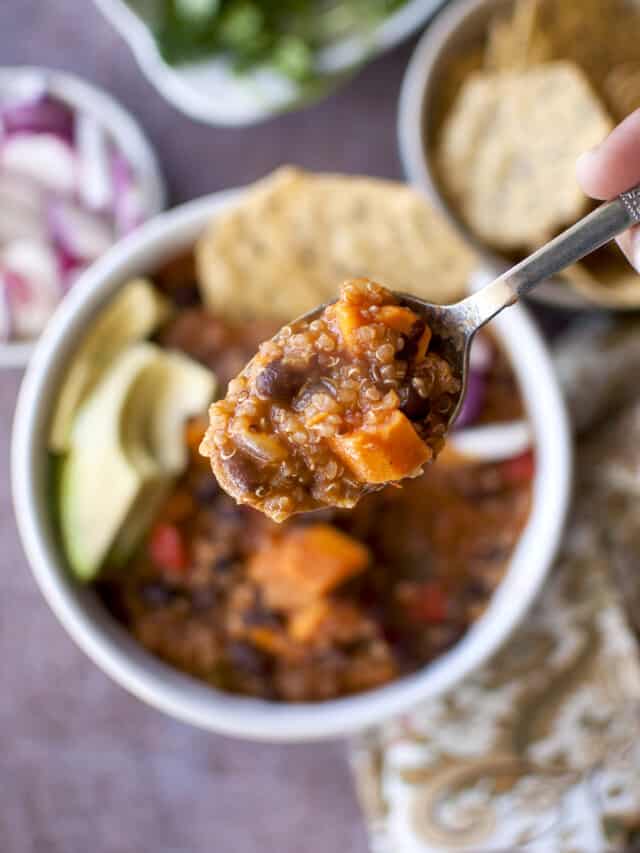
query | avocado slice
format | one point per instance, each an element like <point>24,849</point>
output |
<point>126,448</point>
<point>175,389</point>
<point>101,480</point>
<point>132,316</point>
<point>183,388</point>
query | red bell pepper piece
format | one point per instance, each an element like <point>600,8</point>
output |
<point>430,603</point>
<point>167,549</point>
<point>520,469</point>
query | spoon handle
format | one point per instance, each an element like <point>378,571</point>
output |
<point>588,234</point>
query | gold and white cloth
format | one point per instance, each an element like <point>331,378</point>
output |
<point>540,749</point>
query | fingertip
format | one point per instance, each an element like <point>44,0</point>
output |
<point>614,165</point>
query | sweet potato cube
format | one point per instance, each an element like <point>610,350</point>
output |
<point>423,344</point>
<point>305,564</point>
<point>384,453</point>
<point>397,318</point>
<point>305,623</point>
<point>349,319</point>
<point>403,320</point>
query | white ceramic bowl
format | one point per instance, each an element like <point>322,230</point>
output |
<point>125,131</point>
<point>211,92</point>
<point>118,654</point>
<point>458,28</point>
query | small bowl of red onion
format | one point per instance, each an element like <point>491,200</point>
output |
<point>76,175</point>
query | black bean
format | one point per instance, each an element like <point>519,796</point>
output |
<point>492,553</point>
<point>411,340</point>
<point>245,657</point>
<point>186,295</point>
<point>279,381</point>
<point>223,564</point>
<point>207,490</point>
<point>415,407</point>
<point>259,615</point>
<point>157,594</point>
<point>243,472</point>
<point>203,597</point>
<point>112,597</point>
<point>477,589</point>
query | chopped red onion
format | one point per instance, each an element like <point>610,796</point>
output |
<point>43,158</point>
<point>17,191</point>
<point>95,186</point>
<point>66,194</point>
<point>480,360</point>
<point>493,442</point>
<point>31,274</point>
<point>79,233</point>
<point>481,355</point>
<point>128,202</point>
<point>473,399</point>
<point>22,223</point>
<point>41,114</point>
<point>6,324</point>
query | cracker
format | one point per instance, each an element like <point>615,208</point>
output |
<point>296,236</point>
<point>607,279</point>
<point>507,151</point>
<point>517,42</point>
<point>595,34</point>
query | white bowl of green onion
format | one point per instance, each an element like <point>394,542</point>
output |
<point>235,62</point>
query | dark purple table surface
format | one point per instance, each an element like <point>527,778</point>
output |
<point>84,766</point>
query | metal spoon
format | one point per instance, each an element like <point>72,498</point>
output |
<point>460,322</point>
<point>457,324</point>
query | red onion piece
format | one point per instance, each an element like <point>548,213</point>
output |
<point>480,360</point>
<point>17,191</point>
<point>33,285</point>
<point>70,276</point>
<point>493,442</point>
<point>42,114</point>
<point>6,323</point>
<point>481,355</point>
<point>66,193</point>
<point>95,185</point>
<point>21,207</point>
<point>128,203</point>
<point>18,223</point>
<point>473,399</point>
<point>78,233</point>
<point>43,158</point>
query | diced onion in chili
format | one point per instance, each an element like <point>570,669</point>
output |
<point>493,442</point>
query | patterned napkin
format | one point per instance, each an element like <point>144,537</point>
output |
<point>540,749</point>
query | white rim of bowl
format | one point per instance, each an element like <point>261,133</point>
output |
<point>130,137</point>
<point>413,155</point>
<point>182,697</point>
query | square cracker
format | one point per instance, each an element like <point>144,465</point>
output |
<point>508,148</point>
<point>296,236</point>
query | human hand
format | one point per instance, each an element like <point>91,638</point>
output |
<point>613,167</point>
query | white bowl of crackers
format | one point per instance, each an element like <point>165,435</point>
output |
<point>500,98</point>
<point>331,227</point>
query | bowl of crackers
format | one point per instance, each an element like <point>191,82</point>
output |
<point>499,100</point>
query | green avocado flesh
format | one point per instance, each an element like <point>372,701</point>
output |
<point>125,447</point>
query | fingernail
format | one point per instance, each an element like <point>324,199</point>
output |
<point>583,160</point>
